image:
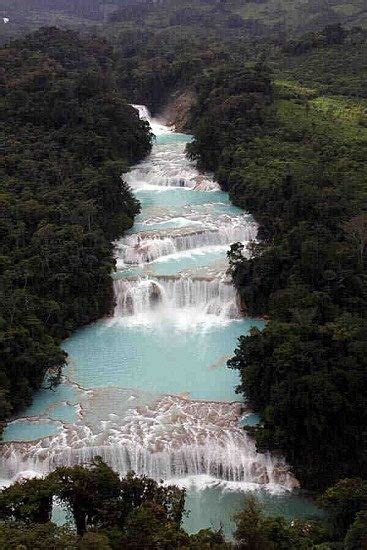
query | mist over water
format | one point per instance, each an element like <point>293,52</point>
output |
<point>148,389</point>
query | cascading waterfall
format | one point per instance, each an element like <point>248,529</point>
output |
<point>161,434</point>
<point>205,296</point>
<point>147,247</point>
<point>167,165</point>
<point>143,111</point>
<point>171,438</point>
<point>167,168</point>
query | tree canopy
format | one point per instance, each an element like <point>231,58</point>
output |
<point>295,159</point>
<point>69,137</point>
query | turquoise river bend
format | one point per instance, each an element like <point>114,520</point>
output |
<point>148,389</point>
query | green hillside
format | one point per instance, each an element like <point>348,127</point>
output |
<point>300,15</point>
<point>236,18</point>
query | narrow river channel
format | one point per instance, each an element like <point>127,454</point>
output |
<point>148,389</point>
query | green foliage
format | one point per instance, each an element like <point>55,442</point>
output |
<point>94,541</point>
<point>108,512</point>
<point>137,512</point>
<point>153,64</point>
<point>277,16</point>
<point>356,537</point>
<point>257,531</point>
<point>295,377</point>
<point>29,502</point>
<point>69,136</point>
<point>233,104</point>
<point>296,160</point>
<point>92,495</point>
<point>45,536</point>
<point>337,69</point>
<point>229,18</point>
<point>344,501</point>
<point>98,499</point>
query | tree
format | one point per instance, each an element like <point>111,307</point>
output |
<point>256,531</point>
<point>45,536</point>
<point>94,541</point>
<point>96,497</point>
<point>91,494</point>
<point>108,512</point>
<point>249,532</point>
<point>344,501</point>
<point>356,229</point>
<point>29,501</point>
<point>356,537</point>
<point>139,490</point>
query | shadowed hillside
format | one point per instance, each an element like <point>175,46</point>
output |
<point>255,18</point>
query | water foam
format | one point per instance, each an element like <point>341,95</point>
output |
<point>167,165</point>
<point>204,296</point>
<point>146,247</point>
<point>157,127</point>
<point>169,438</point>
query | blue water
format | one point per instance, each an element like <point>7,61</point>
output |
<point>166,224</point>
<point>251,419</point>
<point>197,260</point>
<point>29,431</point>
<point>189,260</point>
<point>179,197</point>
<point>172,137</point>
<point>206,205</point>
<point>165,359</point>
<point>215,508</point>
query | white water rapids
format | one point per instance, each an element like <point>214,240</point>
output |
<point>131,421</point>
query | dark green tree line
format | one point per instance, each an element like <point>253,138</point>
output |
<point>68,137</point>
<point>109,512</point>
<point>297,162</point>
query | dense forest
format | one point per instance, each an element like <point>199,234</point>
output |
<point>296,159</point>
<point>255,18</point>
<point>69,136</point>
<point>137,512</point>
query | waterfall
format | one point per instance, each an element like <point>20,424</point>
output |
<point>214,297</point>
<point>156,126</point>
<point>143,111</point>
<point>167,165</point>
<point>171,438</point>
<point>147,247</point>
<point>224,461</point>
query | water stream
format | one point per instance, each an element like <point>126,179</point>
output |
<point>148,389</point>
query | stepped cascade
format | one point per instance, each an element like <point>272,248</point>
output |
<point>148,246</point>
<point>209,296</point>
<point>173,437</point>
<point>148,389</point>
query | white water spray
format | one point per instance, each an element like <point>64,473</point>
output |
<point>147,247</point>
<point>169,439</point>
<point>211,297</point>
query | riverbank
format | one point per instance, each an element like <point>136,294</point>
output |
<point>69,137</point>
<point>299,168</point>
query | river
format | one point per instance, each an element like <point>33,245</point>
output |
<point>148,389</point>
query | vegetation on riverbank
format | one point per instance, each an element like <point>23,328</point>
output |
<point>69,136</point>
<point>107,512</point>
<point>297,160</point>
